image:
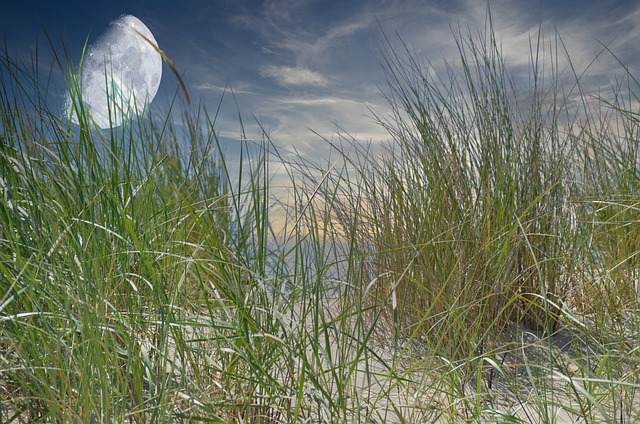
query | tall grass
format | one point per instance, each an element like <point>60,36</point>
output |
<point>480,266</point>
<point>98,234</point>
<point>142,279</point>
<point>499,209</point>
<point>467,215</point>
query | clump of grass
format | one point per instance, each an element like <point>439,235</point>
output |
<point>96,239</point>
<point>496,210</point>
<point>465,215</point>
<point>612,174</point>
<point>142,280</point>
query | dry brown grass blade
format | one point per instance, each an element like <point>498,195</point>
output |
<point>169,63</point>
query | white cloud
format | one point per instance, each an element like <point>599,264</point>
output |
<point>286,75</point>
<point>237,88</point>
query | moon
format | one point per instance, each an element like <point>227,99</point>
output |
<point>120,74</point>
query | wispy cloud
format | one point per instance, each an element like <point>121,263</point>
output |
<point>316,46</point>
<point>295,31</point>
<point>297,76</point>
<point>228,88</point>
<point>298,66</point>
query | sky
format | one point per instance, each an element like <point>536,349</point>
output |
<point>306,67</point>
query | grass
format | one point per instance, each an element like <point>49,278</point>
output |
<point>480,266</point>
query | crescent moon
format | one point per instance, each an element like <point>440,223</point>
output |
<point>121,73</point>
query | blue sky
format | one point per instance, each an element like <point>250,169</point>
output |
<point>301,65</point>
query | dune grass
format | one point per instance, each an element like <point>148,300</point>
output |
<point>481,266</point>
